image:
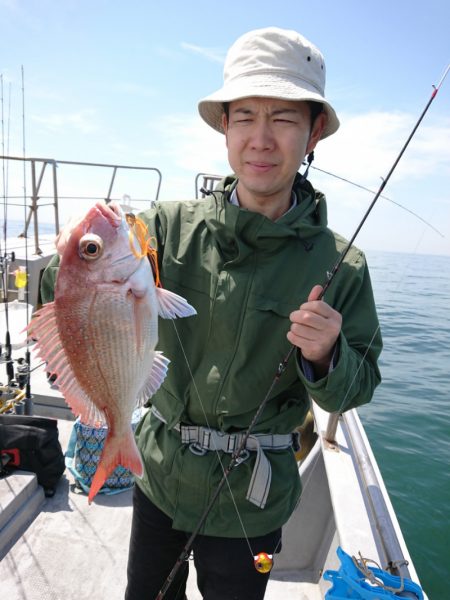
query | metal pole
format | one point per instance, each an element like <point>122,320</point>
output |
<point>33,206</point>
<point>108,197</point>
<point>35,199</point>
<point>55,196</point>
<point>393,554</point>
<point>330,434</point>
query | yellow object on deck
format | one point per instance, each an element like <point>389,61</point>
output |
<point>21,278</point>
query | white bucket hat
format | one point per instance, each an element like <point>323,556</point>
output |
<point>270,63</point>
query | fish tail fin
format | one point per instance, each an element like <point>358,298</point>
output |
<point>117,451</point>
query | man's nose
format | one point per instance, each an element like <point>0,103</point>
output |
<point>262,135</point>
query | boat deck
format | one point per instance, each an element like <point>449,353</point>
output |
<point>61,548</point>
<point>75,551</point>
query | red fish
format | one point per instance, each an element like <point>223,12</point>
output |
<point>99,334</point>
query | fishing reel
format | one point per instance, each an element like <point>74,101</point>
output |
<point>13,395</point>
<point>6,359</point>
<point>7,257</point>
<point>22,372</point>
<point>12,398</point>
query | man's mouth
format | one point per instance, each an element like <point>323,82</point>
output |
<point>259,166</point>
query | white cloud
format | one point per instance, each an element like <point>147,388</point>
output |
<point>188,146</point>
<point>213,54</point>
<point>132,89</point>
<point>11,5</point>
<point>363,151</point>
<point>83,121</point>
<point>366,146</point>
<point>15,13</point>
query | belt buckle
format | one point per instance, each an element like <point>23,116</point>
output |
<point>196,449</point>
<point>242,457</point>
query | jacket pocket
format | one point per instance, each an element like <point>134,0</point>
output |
<point>281,308</point>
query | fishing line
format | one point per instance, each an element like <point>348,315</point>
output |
<point>399,285</point>
<point>400,280</point>
<point>37,366</point>
<point>283,364</point>
<point>305,484</point>
<point>214,444</point>
<point>334,270</point>
<point>366,189</point>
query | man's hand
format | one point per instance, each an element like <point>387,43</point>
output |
<point>315,327</point>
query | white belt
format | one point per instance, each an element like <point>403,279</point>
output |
<point>203,439</point>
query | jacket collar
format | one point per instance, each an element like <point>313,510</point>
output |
<point>232,225</point>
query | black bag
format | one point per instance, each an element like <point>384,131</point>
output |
<point>32,444</point>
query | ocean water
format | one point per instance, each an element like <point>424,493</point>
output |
<point>408,420</point>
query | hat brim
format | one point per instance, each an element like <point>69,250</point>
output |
<point>263,86</point>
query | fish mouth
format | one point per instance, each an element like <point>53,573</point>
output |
<point>111,212</point>
<point>101,217</point>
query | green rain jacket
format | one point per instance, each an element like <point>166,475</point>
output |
<point>245,274</point>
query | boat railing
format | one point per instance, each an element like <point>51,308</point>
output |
<point>333,422</point>
<point>38,169</point>
<point>204,183</point>
<point>389,545</point>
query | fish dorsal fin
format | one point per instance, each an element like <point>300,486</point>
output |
<point>157,376</point>
<point>44,329</point>
<point>171,305</point>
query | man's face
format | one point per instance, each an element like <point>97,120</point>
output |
<point>267,140</point>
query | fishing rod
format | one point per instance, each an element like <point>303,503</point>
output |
<point>334,270</point>
<point>235,458</point>
<point>18,383</point>
<point>5,258</point>
<point>25,367</point>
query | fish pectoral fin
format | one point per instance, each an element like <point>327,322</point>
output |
<point>171,305</point>
<point>157,375</point>
<point>44,329</point>
<point>116,451</point>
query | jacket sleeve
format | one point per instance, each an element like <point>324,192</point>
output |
<point>355,375</point>
<point>48,280</point>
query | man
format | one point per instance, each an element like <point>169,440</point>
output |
<point>249,258</point>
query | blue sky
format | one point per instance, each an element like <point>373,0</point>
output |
<point>119,82</point>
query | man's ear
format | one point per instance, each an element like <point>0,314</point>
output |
<point>225,127</point>
<point>224,122</point>
<point>316,131</point>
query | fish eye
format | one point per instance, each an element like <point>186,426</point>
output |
<point>91,246</point>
